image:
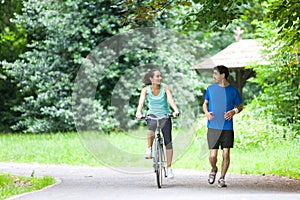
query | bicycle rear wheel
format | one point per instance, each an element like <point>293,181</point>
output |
<point>159,169</point>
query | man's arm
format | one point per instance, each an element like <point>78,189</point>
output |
<point>240,108</point>
<point>209,115</point>
<point>229,114</point>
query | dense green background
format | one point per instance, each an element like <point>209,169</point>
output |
<point>43,44</point>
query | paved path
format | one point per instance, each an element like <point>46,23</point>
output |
<point>77,183</point>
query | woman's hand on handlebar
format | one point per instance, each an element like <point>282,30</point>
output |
<point>138,115</point>
<point>175,114</point>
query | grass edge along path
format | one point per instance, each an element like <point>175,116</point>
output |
<point>13,185</point>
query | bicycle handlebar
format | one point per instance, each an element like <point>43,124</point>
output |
<point>159,118</point>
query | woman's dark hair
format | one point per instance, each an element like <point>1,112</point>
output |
<point>146,78</point>
<point>222,70</point>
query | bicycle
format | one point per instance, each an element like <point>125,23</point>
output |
<point>159,159</point>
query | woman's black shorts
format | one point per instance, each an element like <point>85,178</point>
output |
<point>215,138</point>
<point>166,130</point>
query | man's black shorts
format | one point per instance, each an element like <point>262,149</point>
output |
<point>215,138</point>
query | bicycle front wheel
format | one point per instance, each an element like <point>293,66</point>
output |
<point>159,169</point>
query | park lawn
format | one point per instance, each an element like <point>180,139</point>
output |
<point>45,149</point>
<point>11,185</point>
<point>68,148</point>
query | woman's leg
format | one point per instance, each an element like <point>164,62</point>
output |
<point>169,157</point>
<point>150,135</point>
<point>167,133</point>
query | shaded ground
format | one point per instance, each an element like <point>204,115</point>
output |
<point>106,183</point>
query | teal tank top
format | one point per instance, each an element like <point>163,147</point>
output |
<point>158,105</point>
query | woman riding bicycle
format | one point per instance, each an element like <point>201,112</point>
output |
<point>158,96</point>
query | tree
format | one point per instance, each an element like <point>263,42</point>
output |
<point>281,80</point>
<point>12,42</point>
<point>62,37</point>
<point>286,16</point>
<point>60,34</point>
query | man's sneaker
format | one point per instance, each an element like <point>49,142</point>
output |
<point>212,176</point>
<point>170,173</point>
<point>221,183</point>
<point>148,154</point>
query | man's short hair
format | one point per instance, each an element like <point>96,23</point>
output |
<point>222,70</point>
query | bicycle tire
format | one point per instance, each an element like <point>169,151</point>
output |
<point>163,161</point>
<point>159,171</point>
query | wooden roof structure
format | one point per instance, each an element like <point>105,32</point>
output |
<point>236,57</point>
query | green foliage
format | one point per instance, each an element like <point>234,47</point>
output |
<point>217,15</point>
<point>280,80</point>
<point>254,128</point>
<point>198,14</point>
<point>58,42</point>
<point>286,15</point>
<point>60,34</point>
<point>13,41</point>
<point>137,13</point>
<point>161,49</point>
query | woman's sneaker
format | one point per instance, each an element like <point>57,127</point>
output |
<point>221,183</point>
<point>170,173</point>
<point>148,154</point>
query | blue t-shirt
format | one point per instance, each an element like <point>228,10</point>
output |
<point>220,100</point>
<point>158,105</point>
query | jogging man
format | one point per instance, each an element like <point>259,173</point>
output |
<point>222,101</point>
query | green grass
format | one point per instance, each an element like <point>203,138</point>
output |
<point>261,148</point>
<point>44,148</point>
<point>276,159</point>
<point>14,185</point>
<point>272,158</point>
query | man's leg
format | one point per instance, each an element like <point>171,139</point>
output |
<point>213,158</point>
<point>225,162</point>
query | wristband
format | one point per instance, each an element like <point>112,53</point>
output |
<point>236,110</point>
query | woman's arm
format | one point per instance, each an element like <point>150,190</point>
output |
<point>171,100</point>
<point>138,114</point>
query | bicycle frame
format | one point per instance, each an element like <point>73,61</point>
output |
<point>159,154</point>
